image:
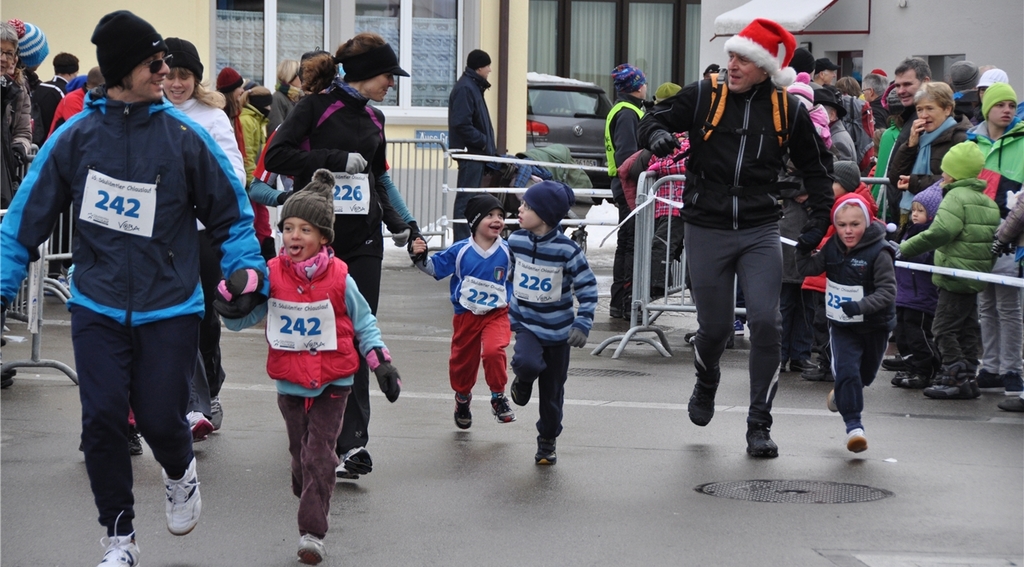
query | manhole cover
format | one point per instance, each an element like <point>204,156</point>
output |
<point>794,491</point>
<point>604,372</point>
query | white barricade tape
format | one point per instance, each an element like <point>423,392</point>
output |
<point>456,155</point>
<point>669,202</point>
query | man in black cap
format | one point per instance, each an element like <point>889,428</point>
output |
<point>825,71</point>
<point>140,177</point>
<point>470,128</point>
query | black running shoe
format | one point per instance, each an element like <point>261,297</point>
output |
<point>820,373</point>
<point>545,451</point>
<point>520,391</point>
<point>759,442</point>
<point>463,417</point>
<point>895,363</point>
<point>702,404</point>
<point>899,377</point>
<point>134,441</point>
<point>501,410</point>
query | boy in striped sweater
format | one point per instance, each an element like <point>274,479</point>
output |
<point>548,269</point>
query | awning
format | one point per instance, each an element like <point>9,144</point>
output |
<point>799,16</point>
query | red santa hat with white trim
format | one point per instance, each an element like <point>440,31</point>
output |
<point>759,42</point>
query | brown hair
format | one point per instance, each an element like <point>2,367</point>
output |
<point>205,96</point>
<point>317,72</point>
<point>361,43</point>
<point>849,86</point>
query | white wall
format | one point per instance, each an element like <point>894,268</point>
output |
<point>988,32</point>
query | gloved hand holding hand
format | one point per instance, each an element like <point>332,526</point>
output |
<point>577,338</point>
<point>415,231</point>
<point>417,250</point>
<point>850,308</point>
<point>240,307</point>
<point>402,237</point>
<point>283,196</point>
<point>999,248</point>
<point>663,143</point>
<point>356,163</point>
<point>379,361</point>
<point>241,282</point>
<point>809,240</point>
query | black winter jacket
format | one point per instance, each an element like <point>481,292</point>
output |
<point>320,131</point>
<point>469,123</point>
<point>724,174</point>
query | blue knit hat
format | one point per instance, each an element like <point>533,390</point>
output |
<point>930,199</point>
<point>550,200</point>
<point>32,46</point>
<point>627,78</point>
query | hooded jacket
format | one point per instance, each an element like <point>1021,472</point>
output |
<point>817,282</point>
<point>469,122</point>
<point>1004,162</point>
<point>914,288</point>
<point>132,278</point>
<point>731,178</point>
<point>961,235</point>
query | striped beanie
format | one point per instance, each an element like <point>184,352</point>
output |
<point>32,46</point>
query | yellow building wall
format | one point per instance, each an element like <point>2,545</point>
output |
<point>68,24</point>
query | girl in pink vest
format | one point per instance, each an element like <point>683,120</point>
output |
<point>315,318</point>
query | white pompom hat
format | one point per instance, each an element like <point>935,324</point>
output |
<point>759,42</point>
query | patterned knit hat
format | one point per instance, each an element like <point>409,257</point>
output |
<point>759,42</point>
<point>313,204</point>
<point>802,88</point>
<point>32,46</point>
<point>930,199</point>
<point>627,78</point>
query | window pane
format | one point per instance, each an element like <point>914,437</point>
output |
<point>300,27</point>
<point>692,42</point>
<point>240,38</point>
<point>435,28</point>
<point>649,25</point>
<point>543,56</point>
<point>591,54</point>
<point>381,17</point>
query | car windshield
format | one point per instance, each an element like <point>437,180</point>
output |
<point>560,102</point>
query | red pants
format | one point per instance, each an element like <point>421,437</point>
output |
<point>475,336</point>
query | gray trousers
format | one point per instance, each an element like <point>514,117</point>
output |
<point>754,256</point>
<point>1002,328</point>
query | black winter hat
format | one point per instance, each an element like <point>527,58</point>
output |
<point>313,204</point>
<point>123,40</point>
<point>478,207</point>
<point>369,64</point>
<point>478,59</point>
<point>184,54</point>
<point>802,61</point>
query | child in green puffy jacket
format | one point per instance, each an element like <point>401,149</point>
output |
<point>961,236</point>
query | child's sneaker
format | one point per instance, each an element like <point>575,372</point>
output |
<point>183,504</point>
<point>989,381</point>
<point>830,400</point>
<point>311,550</point>
<point>1013,385</point>
<point>915,381</point>
<point>737,327</point>
<point>463,417</point>
<point>122,551</point>
<point>856,442</point>
<point>520,390</point>
<point>502,411</point>
<point>200,426</point>
<point>216,413</point>
<point>134,441</point>
<point>545,451</point>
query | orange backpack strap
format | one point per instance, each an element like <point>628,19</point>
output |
<point>717,108</point>
<point>780,115</point>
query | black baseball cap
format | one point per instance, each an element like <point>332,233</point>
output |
<point>824,64</point>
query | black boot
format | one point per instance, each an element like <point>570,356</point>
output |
<point>821,373</point>
<point>759,441</point>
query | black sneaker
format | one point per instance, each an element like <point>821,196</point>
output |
<point>954,384</point>
<point>899,377</point>
<point>1013,385</point>
<point>759,442</point>
<point>989,382</point>
<point>356,461</point>
<point>1012,404</point>
<point>7,379</point>
<point>801,365</point>
<point>914,381</point>
<point>820,373</point>
<point>545,451</point>
<point>702,404</point>
<point>463,417</point>
<point>502,411</point>
<point>520,391</point>
<point>134,441</point>
<point>897,362</point>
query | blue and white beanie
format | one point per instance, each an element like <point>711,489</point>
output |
<point>32,46</point>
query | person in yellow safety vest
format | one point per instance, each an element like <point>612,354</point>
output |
<point>620,143</point>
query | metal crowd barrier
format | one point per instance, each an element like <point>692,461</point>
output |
<point>418,168</point>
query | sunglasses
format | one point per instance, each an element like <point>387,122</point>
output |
<point>157,64</point>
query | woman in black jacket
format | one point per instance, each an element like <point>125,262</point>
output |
<point>337,129</point>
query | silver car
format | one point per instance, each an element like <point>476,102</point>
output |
<point>572,113</point>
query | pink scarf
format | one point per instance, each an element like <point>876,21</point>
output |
<point>314,265</point>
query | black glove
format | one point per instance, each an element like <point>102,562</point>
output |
<point>19,154</point>
<point>999,248</point>
<point>238,295</point>
<point>415,232</point>
<point>379,361</point>
<point>413,237</point>
<point>240,307</point>
<point>284,197</point>
<point>663,143</point>
<point>850,308</point>
<point>809,240</point>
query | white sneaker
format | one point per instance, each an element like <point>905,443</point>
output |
<point>216,413</point>
<point>122,551</point>
<point>311,550</point>
<point>200,426</point>
<point>830,400</point>
<point>183,501</point>
<point>856,442</point>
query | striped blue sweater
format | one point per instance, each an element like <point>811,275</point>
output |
<point>551,322</point>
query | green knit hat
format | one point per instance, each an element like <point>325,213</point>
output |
<point>666,90</point>
<point>963,161</point>
<point>995,94</point>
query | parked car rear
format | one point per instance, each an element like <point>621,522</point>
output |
<point>569,112</point>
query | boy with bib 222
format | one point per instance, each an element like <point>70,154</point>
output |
<point>316,320</point>
<point>549,268</point>
<point>480,289</point>
<point>860,304</point>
